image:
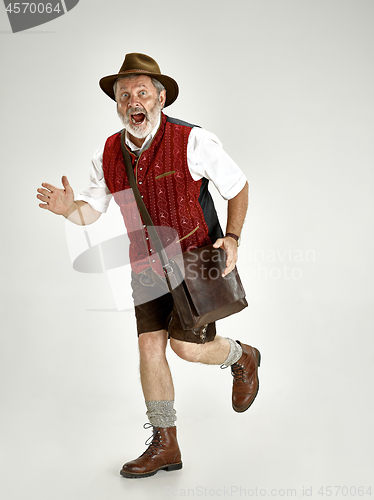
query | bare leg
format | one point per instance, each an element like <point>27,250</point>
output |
<point>211,353</point>
<point>163,452</point>
<point>155,375</point>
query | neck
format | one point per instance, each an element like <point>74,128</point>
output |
<point>136,141</point>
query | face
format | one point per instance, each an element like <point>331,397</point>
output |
<point>138,105</point>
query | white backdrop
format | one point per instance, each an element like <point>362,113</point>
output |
<point>287,85</point>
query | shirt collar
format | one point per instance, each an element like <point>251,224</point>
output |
<point>146,143</point>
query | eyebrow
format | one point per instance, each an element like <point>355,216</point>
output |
<point>140,85</point>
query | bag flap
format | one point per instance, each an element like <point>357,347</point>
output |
<point>209,291</point>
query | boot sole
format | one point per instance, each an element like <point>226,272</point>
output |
<point>258,386</point>
<point>168,468</point>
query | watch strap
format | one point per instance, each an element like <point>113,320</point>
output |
<point>232,235</point>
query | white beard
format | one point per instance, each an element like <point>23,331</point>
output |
<point>150,120</point>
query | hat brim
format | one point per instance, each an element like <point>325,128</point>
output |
<point>172,90</point>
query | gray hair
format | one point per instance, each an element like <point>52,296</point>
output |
<point>156,83</point>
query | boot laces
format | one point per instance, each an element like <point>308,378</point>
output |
<point>237,372</point>
<point>154,441</point>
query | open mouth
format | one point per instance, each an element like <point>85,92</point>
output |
<point>138,118</point>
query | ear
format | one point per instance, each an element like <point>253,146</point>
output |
<point>162,98</point>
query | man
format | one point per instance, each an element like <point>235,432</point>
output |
<point>173,162</point>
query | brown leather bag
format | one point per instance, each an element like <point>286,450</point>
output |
<point>200,293</point>
<point>204,296</point>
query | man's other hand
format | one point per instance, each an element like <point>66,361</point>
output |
<point>58,201</point>
<point>230,246</point>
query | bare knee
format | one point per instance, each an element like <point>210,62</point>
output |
<point>152,345</point>
<point>186,350</point>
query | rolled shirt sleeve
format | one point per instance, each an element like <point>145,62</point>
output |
<point>97,193</point>
<point>207,158</point>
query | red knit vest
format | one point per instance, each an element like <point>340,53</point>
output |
<point>168,190</point>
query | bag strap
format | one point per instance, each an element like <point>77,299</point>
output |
<point>156,242</point>
<point>179,293</point>
<point>130,175</point>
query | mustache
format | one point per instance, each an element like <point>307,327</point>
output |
<point>138,109</point>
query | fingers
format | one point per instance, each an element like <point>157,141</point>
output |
<point>230,262</point>
<point>228,270</point>
<point>52,188</point>
<point>219,243</point>
<point>66,184</point>
<point>231,250</point>
<point>49,187</point>
<point>44,196</point>
<point>45,199</point>
<point>44,192</point>
<point>65,181</point>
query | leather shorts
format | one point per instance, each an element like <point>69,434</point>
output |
<point>155,310</point>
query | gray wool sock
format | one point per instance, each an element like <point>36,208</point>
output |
<point>235,353</point>
<point>161,413</point>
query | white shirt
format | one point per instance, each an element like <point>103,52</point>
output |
<point>205,158</point>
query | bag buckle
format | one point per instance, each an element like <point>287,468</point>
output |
<point>168,269</point>
<point>201,332</point>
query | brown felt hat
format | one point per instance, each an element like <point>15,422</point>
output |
<point>143,65</point>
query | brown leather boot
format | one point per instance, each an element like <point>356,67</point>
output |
<point>246,383</point>
<point>162,454</point>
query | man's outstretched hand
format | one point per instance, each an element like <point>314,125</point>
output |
<point>230,246</point>
<point>57,201</point>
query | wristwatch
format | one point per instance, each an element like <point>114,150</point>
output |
<point>234,236</point>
